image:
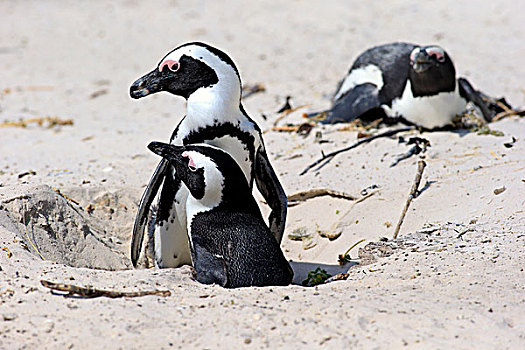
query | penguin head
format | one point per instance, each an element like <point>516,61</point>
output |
<point>431,71</point>
<point>188,69</point>
<point>208,172</point>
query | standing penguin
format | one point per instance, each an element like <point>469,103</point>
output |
<point>209,81</point>
<point>406,82</point>
<point>229,242</point>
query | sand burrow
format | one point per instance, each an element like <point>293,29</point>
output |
<point>84,228</point>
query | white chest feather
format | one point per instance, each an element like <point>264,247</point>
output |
<point>429,112</point>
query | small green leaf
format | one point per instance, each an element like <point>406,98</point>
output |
<point>315,277</point>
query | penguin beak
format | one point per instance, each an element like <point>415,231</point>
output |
<point>148,84</point>
<point>168,151</point>
<point>421,62</point>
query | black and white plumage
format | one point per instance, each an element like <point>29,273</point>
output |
<point>209,80</point>
<point>229,242</point>
<point>407,82</point>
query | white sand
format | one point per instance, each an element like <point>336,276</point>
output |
<point>435,291</point>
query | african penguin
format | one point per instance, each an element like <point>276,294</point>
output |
<point>229,242</point>
<point>404,82</point>
<point>209,81</point>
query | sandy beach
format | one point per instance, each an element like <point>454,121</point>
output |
<point>70,185</point>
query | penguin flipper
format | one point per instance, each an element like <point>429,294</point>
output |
<point>467,91</point>
<point>356,102</point>
<point>209,268</point>
<point>142,215</point>
<point>272,191</point>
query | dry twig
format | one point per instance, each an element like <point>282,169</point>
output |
<point>89,292</point>
<point>420,167</point>
<point>6,249</point>
<point>65,196</point>
<point>302,196</point>
<point>52,121</point>
<point>328,157</point>
<point>508,113</point>
<point>463,232</point>
<point>286,128</point>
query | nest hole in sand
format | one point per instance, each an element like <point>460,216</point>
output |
<point>79,227</point>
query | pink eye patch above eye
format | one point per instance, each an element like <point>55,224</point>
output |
<point>172,65</point>
<point>191,163</point>
<point>439,55</point>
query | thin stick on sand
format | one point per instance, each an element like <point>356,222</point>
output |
<point>507,113</point>
<point>88,292</point>
<point>52,121</point>
<point>302,196</point>
<point>328,157</point>
<point>420,167</point>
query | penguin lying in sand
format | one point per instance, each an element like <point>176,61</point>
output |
<point>209,81</point>
<point>404,82</point>
<point>229,242</point>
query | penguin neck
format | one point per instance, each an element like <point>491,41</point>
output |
<point>433,81</point>
<point>221,101</point>
<point>213,195</point>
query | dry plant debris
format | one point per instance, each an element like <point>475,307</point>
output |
<point>30,172</point>
<point>413,194</point>
<point>89,292</point>
<point>301,196</point>
<point>66,196</point>
<point>9,254</point>
<point>328,157</point>
<point>420,145</point>
<point>499,190</point>
<point>507,111</point>
<point>345,257</point>
<point>251,89</point>
<point>339,277</point>
<point>303,129</point>
<point>287,105</point>
<point>98,93</point>
<point>50,121</point>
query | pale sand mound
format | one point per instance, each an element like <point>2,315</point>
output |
<point>59,230</point>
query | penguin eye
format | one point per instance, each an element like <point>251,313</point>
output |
<point>191,163</point>
<point>172,65</point>
<point>438,55</point>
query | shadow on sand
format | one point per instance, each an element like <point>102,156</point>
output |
<point>301,269</point>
